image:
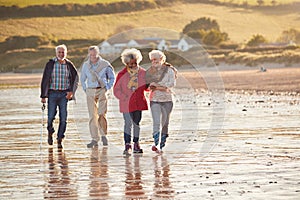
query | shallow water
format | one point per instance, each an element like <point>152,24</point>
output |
<point>229,146</point>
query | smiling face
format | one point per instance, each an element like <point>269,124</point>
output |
<point>94,56</point>
<point>132,64</point>
<point>156,62</point>
<point>61,54</point>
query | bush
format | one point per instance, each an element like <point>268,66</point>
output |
<point>256,40</point>
<point>19,42</point>
<point>290,35</point>
<point>198,34</point>
<point>202,23</point>
<point>214,37</point>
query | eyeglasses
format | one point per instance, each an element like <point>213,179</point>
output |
<point>61,52</point>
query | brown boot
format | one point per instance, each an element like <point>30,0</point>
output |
<point>137,148</point>
<point>59,143</point>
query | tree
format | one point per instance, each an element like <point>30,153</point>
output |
<point>201,23</point>
<point>214,37</point>
<point>260,2</point>
<point>207,30</point>
<point>290,35</point>
<point>256,40</point>
<point>198,34</point>
<point>274,2</point>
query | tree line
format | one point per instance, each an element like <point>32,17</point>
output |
<point>208,32</point>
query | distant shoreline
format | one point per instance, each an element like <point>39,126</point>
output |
<point>276,79</point>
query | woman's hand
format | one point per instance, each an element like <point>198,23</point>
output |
<point>153,86</point>
<point>156,86</point>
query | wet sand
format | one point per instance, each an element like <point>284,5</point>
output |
<point>235,78</point>
<point>222,145</point>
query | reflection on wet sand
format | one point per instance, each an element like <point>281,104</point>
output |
<point>133,183</point>
<point>254,158</point>
<point>98,187</point>
<point>162,185</point>
<point>59,183</point>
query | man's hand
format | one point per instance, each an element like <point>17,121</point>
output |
<point>69,95</point>
<point>43,100</point>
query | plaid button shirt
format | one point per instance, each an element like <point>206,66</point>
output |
<point>60,77</point>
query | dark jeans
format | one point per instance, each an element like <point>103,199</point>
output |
<point>132,119</point>
<point>57,99</point>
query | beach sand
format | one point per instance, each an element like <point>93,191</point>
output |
<point>238,143</point>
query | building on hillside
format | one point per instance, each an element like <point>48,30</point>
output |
<point>116,47</point>
<point>186,44</point>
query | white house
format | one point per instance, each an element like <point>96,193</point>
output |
<point>162,45</point>
<point>106,48</point>
<point>132,43</point>
<point>184,44</point>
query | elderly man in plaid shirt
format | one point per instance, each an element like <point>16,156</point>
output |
<point>59,83</point>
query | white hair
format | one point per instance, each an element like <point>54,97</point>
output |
<point>157,54</point>
<point>62,46</point>
<point>129,54</point>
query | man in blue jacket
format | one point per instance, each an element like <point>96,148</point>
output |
<point>59,83</point>
<point>97,76</point>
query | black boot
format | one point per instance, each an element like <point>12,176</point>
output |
<point>104,140</point>
<point>50,139</point>
<point>92,144</point>
<point>59,143</point>
<point>136,148</point>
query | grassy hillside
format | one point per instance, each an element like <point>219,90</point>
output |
<point>79,32</point>
<point>22,3</point>
<point>239,23</point>
<point>254,2</point>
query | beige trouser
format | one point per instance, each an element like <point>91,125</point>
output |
<point>97,107</point>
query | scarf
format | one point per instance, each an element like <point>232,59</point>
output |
<point>96,68</point>
<point>133,80</point>
<point>156,75</point>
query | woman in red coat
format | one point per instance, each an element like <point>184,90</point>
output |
<point>129,89</point>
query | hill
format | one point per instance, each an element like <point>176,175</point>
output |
<point>78,32</point>
<point>239,23</point>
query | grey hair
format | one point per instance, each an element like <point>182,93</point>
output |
<point>62,46</point>
<point>157,54</point>
<point>129,54</point>
<point>96,48</point>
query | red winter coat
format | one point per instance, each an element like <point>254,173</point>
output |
<point>129,100</point>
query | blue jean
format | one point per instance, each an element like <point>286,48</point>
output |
<point>161,116</point>
<point>132,119</point>
<point>57,99</point>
